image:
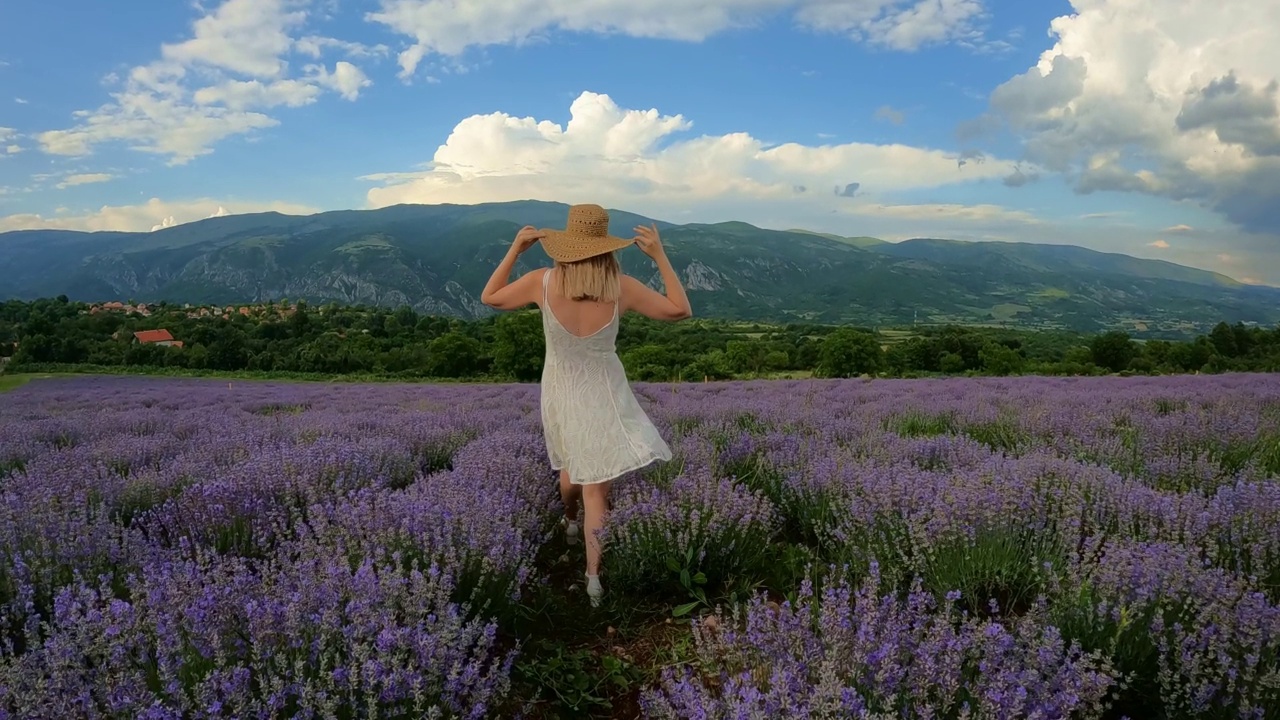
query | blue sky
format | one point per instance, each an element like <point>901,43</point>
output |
<point>1148,127</point>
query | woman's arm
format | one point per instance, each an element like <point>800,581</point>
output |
<point>644,300</point>
<point>500,295</point>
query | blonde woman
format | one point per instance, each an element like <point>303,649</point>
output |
<point>595,430</point>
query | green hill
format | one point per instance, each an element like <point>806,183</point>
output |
<point>437,258</point>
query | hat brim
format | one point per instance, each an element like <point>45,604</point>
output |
<point>564,247</point>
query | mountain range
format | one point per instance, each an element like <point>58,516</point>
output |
<point>436,259</point>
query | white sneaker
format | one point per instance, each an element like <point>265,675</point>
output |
<point>570,532</point>
<point>594,590</point>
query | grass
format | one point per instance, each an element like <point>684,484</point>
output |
<point>580,662</point>
<point>66,370</point>
<point>17,380</point>
<point>1008,310</point>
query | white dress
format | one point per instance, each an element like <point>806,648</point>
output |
<point>593,425</point>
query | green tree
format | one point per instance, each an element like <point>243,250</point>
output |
<point>848,353</point>
<point>951,363</point>
<point>519,349</point>
<point>1000,359</point>
<point>777,360</point>
<point>1223,339</point>
<point>1113,350</point>
<point>711,365</point>
<point>453,355</point>
<point>651,363</point>
<point>745,356</point>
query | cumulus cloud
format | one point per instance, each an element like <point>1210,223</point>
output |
<point>346,79</point>
<point>643,158</point>
<point>1160,244</point>
<point>85,179</point>
<point>448,28</point>
<point>1173,98</point>
<point>152,215</point>
<point>212,86</point>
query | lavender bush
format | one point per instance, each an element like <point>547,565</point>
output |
<point>1030,547</point>
<point>854,652</point>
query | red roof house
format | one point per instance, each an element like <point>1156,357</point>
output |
<point>154,336</point>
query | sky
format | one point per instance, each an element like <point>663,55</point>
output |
<point>1145,127</point>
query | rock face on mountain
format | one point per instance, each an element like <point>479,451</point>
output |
<point>437,258</point>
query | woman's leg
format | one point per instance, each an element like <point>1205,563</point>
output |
<point>570,494</point>
<point>595,500</point>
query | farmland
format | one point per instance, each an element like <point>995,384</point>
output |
<point>969,547</point>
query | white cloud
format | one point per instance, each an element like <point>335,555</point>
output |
<point>638,159</point>
<point>239,95</point>
<point>151,215</point>
<point>1179,229</point>
<point>211,86</point>
<point>21,101</point>
<point>902,26</point>
<point>1175,98</point>
<point>8,135</point>
<point>346,79</point>
<point>315,45</point>
<point>247,37</point>
<point>448,27</point>
<point>1159,244</point>
<point>85,179</point>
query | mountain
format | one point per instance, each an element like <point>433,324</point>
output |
<point>859,241</point>
<point>436,258</point>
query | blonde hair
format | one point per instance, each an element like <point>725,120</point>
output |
<point>595,278</point>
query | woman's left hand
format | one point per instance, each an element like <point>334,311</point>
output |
<point>527,236</point>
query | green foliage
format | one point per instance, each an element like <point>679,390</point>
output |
<point>282,340</point>
<point>1113,350</point>
<point>575,680</point>
<point>519,346</point>
<point>848,353</point>
<point>453,355</point>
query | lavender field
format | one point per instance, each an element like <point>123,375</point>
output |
<point>967,548</point>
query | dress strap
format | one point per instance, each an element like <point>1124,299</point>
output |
<point>546,276</point>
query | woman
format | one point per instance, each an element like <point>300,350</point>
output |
<point>595,430</point>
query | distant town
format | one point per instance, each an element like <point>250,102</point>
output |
<point>281,309</point>
<point>164,338</point>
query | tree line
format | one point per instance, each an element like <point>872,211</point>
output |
<point>335,340</point>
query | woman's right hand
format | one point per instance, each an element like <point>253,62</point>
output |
<point>648,241</point>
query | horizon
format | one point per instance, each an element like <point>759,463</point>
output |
<point>1119,127</point>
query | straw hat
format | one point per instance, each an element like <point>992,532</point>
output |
<point>586,235</point>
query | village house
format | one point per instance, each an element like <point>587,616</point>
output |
<point>156,337</point>
<point>117,306</point>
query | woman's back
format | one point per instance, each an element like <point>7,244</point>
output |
<point>580,318</point>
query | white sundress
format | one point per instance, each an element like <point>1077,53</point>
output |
<point>593,425</point>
